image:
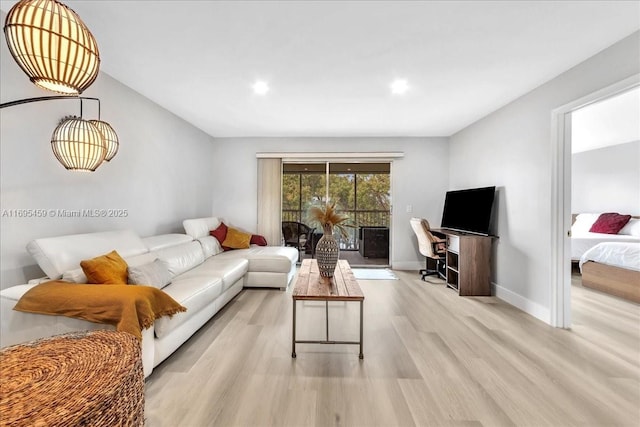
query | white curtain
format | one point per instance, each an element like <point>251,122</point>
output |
<point>270,200</point>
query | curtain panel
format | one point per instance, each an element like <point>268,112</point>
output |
<point>270,200</point>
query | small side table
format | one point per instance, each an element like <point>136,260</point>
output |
<point>77,379</point>
<point>344,288</point>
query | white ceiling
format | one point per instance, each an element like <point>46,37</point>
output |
<point>613,121</point>
<point>329,64</point>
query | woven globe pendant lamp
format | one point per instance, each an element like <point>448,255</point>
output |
<point>109,137</point>
<point>78,145</point>
<point>52,45</point>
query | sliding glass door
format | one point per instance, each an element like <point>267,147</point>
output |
<point>361,190</point>
<point>302,186</point>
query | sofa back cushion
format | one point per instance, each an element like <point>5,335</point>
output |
<point>200,227</point>
<point>210,246</point>
<point>162,241</point>
<point>55,255</point>
<point>181,258</point>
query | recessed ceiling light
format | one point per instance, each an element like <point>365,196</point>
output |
<point>260,88</point>
<point>399,86</point>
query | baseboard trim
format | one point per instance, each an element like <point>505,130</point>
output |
<point>407,265</point>
<point>533,308</point>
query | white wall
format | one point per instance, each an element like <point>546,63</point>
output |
<point>511,149</point>
<point>419,179</point>
<point>607,179</point>
<point>161,175</point>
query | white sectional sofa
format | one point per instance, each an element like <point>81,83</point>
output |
<point>204,279</point>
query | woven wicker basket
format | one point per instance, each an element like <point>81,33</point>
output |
<point>79,379</point>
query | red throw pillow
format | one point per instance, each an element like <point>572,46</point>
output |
<point>220,233</point>
<point>609,223</point>
<point>259,240</point>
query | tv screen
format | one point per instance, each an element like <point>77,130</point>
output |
<point>469,210</point>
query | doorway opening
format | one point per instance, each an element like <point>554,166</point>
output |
<point>361,190</point>
<point>562,218</point>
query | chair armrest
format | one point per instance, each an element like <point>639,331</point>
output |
<point>439,247</point>
<point>439,235</point>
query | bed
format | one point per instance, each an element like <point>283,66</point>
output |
<point>613,268</point>
<point>582,240</point>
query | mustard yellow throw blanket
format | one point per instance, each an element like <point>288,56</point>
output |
<point>130,308</point>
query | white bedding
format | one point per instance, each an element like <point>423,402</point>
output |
<point>625,255</point>
<point>582,240</point>
<point>580,244</point>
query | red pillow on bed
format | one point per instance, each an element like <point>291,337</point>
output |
<point>609,223</point>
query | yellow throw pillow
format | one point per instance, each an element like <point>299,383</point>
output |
<point>106,269</point>
<point>236,239</point>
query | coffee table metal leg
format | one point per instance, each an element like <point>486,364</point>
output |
<point>293,335</point>
<point>361,356</point>
<point>326,312</point>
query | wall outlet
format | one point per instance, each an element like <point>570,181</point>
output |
<point>409,208</point>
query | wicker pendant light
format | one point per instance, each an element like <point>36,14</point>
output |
<point>52,45</point>
<point>78,144</point>
<point>109,137</point>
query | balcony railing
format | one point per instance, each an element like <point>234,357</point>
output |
<point>357,218</point>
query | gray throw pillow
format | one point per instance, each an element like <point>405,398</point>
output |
<point>153,274</point>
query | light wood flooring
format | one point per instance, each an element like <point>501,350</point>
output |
<point>430,358</point>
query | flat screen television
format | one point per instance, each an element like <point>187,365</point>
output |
<point>469,210</point>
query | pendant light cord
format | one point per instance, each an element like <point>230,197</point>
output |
<point>50,98</point>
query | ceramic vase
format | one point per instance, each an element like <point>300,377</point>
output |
<point>327,252</point>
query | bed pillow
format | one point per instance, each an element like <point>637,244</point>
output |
<point>153,274</point>
<point>583,223</point>
<point>109,269</point>
<point>609,223</point>
<point>632,228</point>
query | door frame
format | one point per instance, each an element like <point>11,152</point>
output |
<point>560,312</point>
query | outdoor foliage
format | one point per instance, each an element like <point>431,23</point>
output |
<point>299,191</point>
<point>364,197</point>
<point>328,215</point>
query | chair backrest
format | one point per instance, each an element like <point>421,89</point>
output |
<point>425,237</point>
<point>293,229</point>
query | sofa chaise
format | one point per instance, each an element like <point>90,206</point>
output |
<point>203,279</point>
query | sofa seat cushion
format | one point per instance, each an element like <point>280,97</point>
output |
<point>194,293</point>
<point>270,259</point>
<point>229,269</point>
<point>14,293</point>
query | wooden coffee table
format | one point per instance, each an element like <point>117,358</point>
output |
<point>343,287</point>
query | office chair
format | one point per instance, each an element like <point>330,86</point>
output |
<point>431,246</point>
